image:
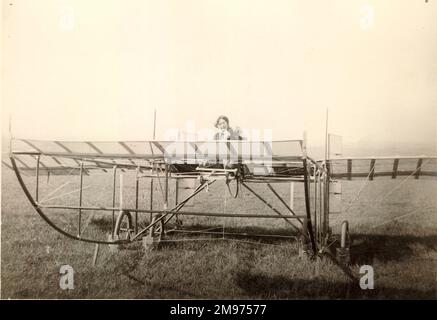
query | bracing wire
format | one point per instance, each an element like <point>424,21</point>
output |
<point>385,196</point>
<point>402,182</point>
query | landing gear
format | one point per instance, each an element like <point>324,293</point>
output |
<point>156,233</point>
<point>123,227</point>
<point>157,230</point>
<point>343,252</point>
<point>123,230</point>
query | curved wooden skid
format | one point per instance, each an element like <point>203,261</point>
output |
<point>46,219</point>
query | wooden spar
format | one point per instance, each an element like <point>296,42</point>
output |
<point>326,179</point>
<point>372,169</point>
<point>34,147</point>
<point>151,195</point>
<point>120,187</point>
<point>305,225</point>
<point>37,178</point>
<point>166,168</point>
<point>320,206</point>
<point>160,148</point>
<point>177,192</point>
<point>307,205</point>
<point>292,195</point>
<point>385,158</point>
<point>349,169</point>
<point>126,147</point>
<point>231,233</point>
<point>114,181</point>
<point>80,155</point>
<point>40,162</point>
<point>395,168</point>
<point>66,149</point>
<point>382,174</point>
<point>96,252</point>
<point>321,199</point>
<point>94,147</point>
<point>316,173</point>
<point>80,199</point>
<point>153,169</point>
<point>418,168</point>
<point>154,124</point>
<point>137,183</point>
<point>188,213</point>
<point>326,136</point>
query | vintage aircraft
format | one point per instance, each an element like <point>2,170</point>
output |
<point>237,164</point>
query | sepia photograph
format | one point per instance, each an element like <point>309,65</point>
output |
<point>245,150</point>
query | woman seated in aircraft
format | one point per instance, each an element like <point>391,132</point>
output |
<point>225,131</point>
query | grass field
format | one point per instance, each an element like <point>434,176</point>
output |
<point>397,237</point>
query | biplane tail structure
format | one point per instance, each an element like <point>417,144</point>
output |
<point>339,168</point>
<point>372,167</point>
<point>234,162</point>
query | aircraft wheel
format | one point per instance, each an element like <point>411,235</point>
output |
<point>343,253</point>
<point>157,231</point>
<point>345,237</point>
<point>233,187</point>
<point>123,227</point>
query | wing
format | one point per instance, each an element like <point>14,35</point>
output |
<point>382,167</point>
<point>66,157</point>
<point>372,167</point>
<point>62,157</point>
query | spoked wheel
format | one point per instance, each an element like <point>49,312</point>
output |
<point>157,230</point>
<point>123,227</point>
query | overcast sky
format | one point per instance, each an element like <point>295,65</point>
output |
<point>97,69</point>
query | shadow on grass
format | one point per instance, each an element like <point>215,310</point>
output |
<point>281,287</point>
<point>388,248</point>
<point>181,293</point>
<point>365,248</point>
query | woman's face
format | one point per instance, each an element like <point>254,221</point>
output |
<point>222,125</point>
